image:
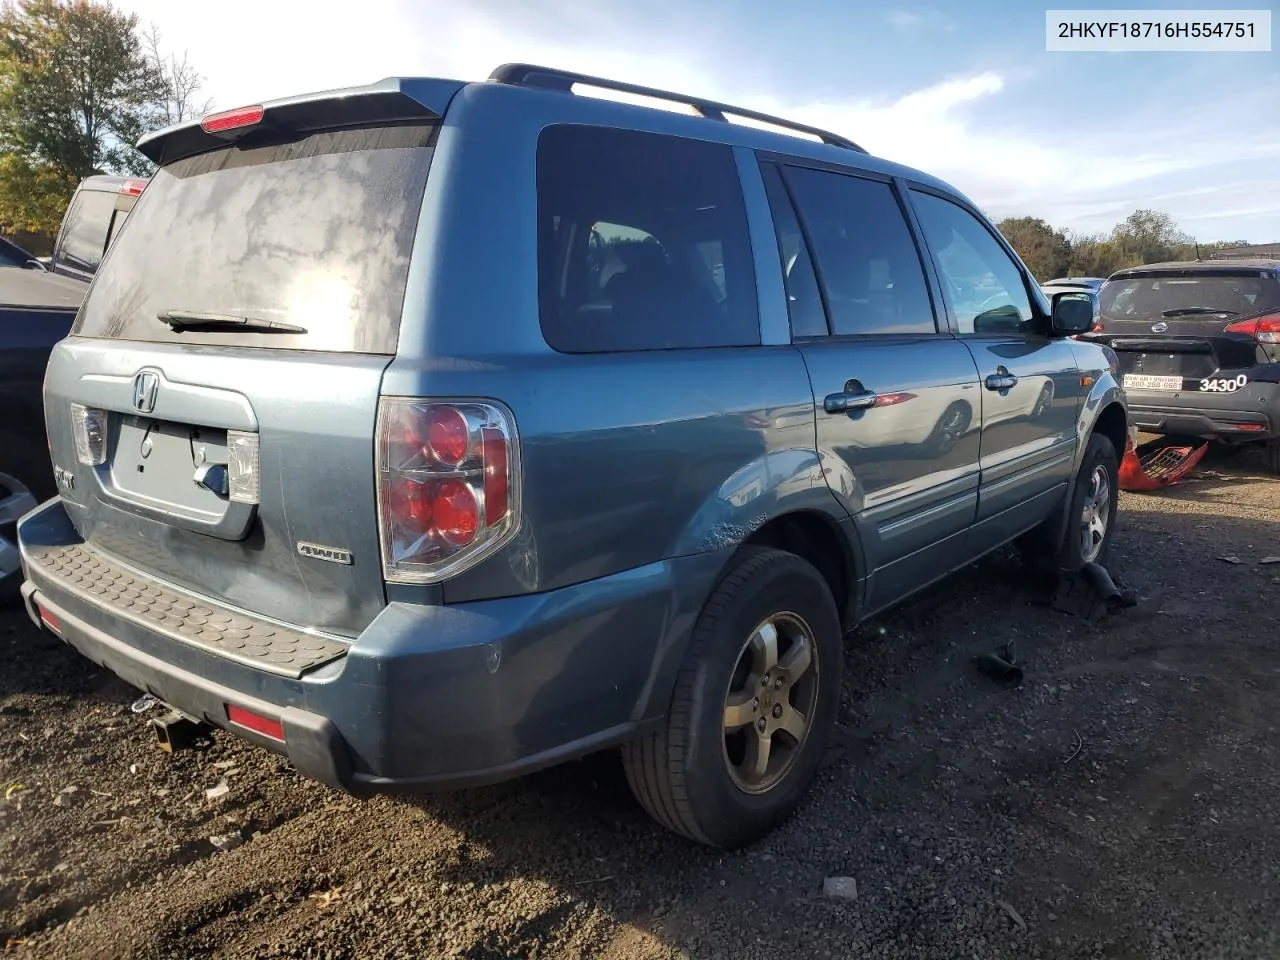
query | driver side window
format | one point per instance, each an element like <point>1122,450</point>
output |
<point>983,285</point>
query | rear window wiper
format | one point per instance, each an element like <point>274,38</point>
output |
<point>1194,311</point>
<point>181,320</point>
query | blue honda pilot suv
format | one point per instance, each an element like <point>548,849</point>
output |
<point>432,432</point>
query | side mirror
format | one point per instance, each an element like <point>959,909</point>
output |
<point>1072,314</point>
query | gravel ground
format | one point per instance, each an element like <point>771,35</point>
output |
<point>1120,803</point>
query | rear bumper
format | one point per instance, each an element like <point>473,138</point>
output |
<point>426,696</point>
<point>1252,413</point>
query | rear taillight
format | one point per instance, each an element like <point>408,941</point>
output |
<point>448,485</point>
<point>89,428</point>
<point>133,188</point>
<point>1263,329</point>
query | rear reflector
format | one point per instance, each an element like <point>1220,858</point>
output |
<point>1250,426</point>
<point>255,722</point>
<point>232,119</point>
<point>50,621</point>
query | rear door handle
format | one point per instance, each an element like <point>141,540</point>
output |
<point>1002,381</point>
<point>849,400</point>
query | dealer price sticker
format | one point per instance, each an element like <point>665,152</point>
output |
<point>1143,381</point>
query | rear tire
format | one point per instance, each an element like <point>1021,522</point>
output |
<point>1271,449</point>
<point>28,462</point>
<point>1091,517</point>
<point>705,774</point>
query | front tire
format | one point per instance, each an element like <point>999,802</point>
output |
<point>1091,517</point>
<point>753,706</point>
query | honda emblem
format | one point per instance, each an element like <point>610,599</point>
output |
<point>145,385</point>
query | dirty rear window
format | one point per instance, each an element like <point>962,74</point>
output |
<point>313,233</point>
<point>1168,295</point>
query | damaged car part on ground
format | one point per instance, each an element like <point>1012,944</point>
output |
<point>415,530</point>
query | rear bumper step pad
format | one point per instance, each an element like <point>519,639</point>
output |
<point>89,576</point>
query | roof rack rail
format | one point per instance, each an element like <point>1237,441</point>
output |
<point>548,78</point>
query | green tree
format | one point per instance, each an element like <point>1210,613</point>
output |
<point>1148,236</point>
<point>33,194</point>
<point>1093,255</point>
<point>1044,250</point>
<point>77,88</point>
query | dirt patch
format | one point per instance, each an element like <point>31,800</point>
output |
<point>1120,803</point>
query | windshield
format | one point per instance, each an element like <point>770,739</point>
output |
<point>314,234</point>
<point>1194,297</point>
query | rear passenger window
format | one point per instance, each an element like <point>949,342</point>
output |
<point>642,243</point>
<point>866,259</point>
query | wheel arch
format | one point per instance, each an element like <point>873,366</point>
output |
<point>825,544</point>
<point>1113,423</point>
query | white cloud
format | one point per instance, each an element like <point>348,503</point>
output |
<point>904,19</point>
<point>910,21</point>
<point>252,51</point>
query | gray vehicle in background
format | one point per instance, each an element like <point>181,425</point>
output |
<point>1093,284</point>
<point>93,219</point>
<point>430,433</point>
<point>1199,347</point>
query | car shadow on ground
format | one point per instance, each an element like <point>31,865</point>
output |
<point>1117,803</point>
<point>49,667</point>
<point>1075,813</point>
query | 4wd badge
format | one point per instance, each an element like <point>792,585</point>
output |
<point>319,551</point>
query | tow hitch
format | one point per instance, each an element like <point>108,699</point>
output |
<point>1157,463</point>
<point>175,730</point>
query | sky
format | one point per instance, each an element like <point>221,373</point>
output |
<point>963,90</point>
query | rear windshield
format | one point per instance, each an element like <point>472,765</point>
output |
<point>314,233</point>
<point>1172,297</point>
<point>84,234</point>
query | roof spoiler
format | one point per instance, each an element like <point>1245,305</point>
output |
<point>388,101</point>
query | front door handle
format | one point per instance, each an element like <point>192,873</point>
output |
<point>1002,379</point>
<point>849,400</point>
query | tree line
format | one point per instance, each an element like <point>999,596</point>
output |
<point>1145,236</point>
<point>80,83</point>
